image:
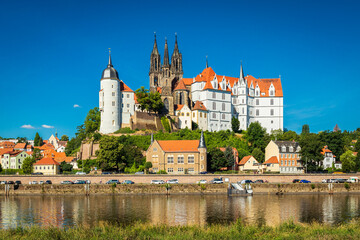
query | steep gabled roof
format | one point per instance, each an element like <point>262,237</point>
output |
<point>273,159</point>
<point>244,160</point>
<point>46,161</point>
<point>188,81</point>
<point>199,106</point>
<point>20,146</point>
<point>179,145</point>
<point>124,87</point>
<point>208,85</point>
<point>180,86</point>
<point>206,75</point>
<point>178,107</point>
<point>264,85</point>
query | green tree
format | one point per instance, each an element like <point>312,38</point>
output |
<point>305,129</point>
<point>258,155</point>
<point>348,161</point>
<point>27,165</point>
<point>92,121</point>
<point>229,156</point>
<point>357,145</point>
<point>235,124</point>
<point>311,147</point>
<point>21,139</point>
<point>216,159</point>
<point>357,162</point>
<point>37,139</point>
<point>147,166</point>
<point>334,140</point>
<point>194,125</point>
<point>65,167</point>
<point>37,154</point>
<point>256,136</point>
<point>109,155</point>
<point>64,138</point>
<point>149,101</point>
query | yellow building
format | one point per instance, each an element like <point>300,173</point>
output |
<point>249,163</point>
<point>178,156</point>
<point>47,166</point>
<point>271,165</point>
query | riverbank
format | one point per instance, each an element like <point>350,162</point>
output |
<point>188,178</point>
<point>236,230</point>
<point>203,189</point>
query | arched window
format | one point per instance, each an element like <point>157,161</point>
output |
<point>257,101</point>
<point>223,106</point>
<point>214,115</point>
<point>214,105</point>
<point>271,101</point>
<point>271,92</point>
<point>272,112</point>
<point>223,116</point>
<point>257,112</point>
<point>181,98</point>
<point>214,95</point>
<point>166,104</point>
<point>223,96</point>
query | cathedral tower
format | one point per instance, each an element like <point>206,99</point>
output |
<point>155,67</point>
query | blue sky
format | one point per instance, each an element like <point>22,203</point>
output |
<point>52,54</point>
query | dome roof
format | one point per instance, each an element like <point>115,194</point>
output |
<point>110,72</point>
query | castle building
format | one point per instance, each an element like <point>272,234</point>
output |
<point>246,98</point>
<point>116,101</point>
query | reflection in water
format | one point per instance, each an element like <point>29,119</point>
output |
<point>67,211</point>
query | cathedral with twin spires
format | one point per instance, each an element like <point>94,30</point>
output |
<point>209,100</point>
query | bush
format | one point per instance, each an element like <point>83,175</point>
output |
<point>125,130</point>
<point>11,171</point>
<point>165,123</point>
<point>312,186</point>
<point>347,186</point>
<point>162,172</point>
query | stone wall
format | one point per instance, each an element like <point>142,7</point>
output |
<point>144,120</point>
<point>88,150</point>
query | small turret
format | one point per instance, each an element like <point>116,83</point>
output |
<point>202,140</point>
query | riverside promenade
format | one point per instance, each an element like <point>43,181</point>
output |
<point>146,178</point>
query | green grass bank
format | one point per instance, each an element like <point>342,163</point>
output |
<point>236,230</point>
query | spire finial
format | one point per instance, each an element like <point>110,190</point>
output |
<point>175,36</point>
<point>152,137</point>
<point>241,71</point>
<point>155,35</point>
<point>110,62</point>
<point>207,64</point>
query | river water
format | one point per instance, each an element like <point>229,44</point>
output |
<point>68,211</point>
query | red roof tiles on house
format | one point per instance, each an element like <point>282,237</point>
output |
<point>208,86</point>
<point>178,107</point>
<point>244,160</point>
<point>179,145</point>
<point>124,87</point>
<point>20,146</point>
<point>264,85</point>
<point>188,81</point>
<point>46,161</point>
<point>199,106</point>
<point>273,159</point>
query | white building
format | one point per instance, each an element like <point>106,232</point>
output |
<point>247,98</point>
<point>116,101</point>
<point>329,159</point>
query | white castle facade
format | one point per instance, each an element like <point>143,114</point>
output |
<point>209,100</point>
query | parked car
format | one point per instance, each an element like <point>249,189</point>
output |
<point>3,182</point>
<point>105,173</point>
<point>296,181</point>
<point>353,180</point>
<point>112,181</point>
<point>246,181</point>
<point>139,173</point>
<point>88,181</point>
<point>173,181</point>
<point>217,181</point>
<point>127,182</point>
<point>18,182</point>
<point>80,173</point>
<point>341,180</point>
<point>204,172</point>
<point>38,173</point>
<point>66,182</point>
<point>80,182</point>
<point>157,182</point>
<point>11,182</point>
<point>48,182</point>
<point>259,181</point>
<point>201,182</point>
<point>41,182</point>
<point>304,181</point>
<point>34,182</point>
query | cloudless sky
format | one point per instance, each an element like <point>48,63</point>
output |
<point>52,54</point>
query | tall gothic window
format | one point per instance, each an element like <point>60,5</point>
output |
<point>166,104</point>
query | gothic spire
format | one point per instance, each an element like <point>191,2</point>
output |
<point>176,48</point>
<point>202,140</point>
<point>166,55</point>
<point>155,48</point>
<point>207,65</point>
<point>152,137</point>
<point>241,72</point>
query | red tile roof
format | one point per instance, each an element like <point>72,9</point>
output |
<point>180,85</point>
<point>7,144</point>
<point>124,87</point>
<point>188,81</point>
<point>178,107</point>
<point>325,150</point>
<point>135,98</point>
<point>199,106</point>
<point>46,161</point>
<point>244,160</point>
<point>179,145</point>
<point>5,150</point>
<point>158,89</point>
<point>20,146</point>
<point>264,85</point>
<point>273,159</point>
<point>208,85</point>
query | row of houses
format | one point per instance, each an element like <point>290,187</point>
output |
<point>189,156</point>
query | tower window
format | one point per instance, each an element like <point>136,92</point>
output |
<point>113,122</point>
<point>113,103</point>
<point>113,94</point>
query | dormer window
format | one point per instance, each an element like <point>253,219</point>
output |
<point>283,149</point>
<point>291,149</point>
